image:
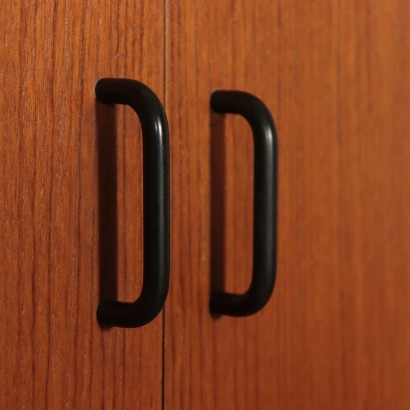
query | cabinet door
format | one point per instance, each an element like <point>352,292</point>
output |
<point>58,151</point>
<point>335,334</point>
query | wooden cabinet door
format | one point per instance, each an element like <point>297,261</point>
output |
<point>336,78</point>
<point>58,151</point>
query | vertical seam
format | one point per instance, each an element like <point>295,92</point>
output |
<point>165,106</point>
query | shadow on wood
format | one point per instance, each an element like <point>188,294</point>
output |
<point>217,205</point>
<point>107,198</point>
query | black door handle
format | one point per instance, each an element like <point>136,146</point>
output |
<point>156,203</point>
<point>265,204</point>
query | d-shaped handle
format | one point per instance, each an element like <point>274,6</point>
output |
<point>265,204</point>
<point>156,203</point>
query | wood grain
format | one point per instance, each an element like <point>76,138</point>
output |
<point>53,352</point>
<point>336,78</point>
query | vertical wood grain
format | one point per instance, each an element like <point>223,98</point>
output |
<point>53,353</point>
<point>336,77</point>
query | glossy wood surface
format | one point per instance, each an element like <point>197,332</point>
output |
<point>336,77</point>
<point>62,162</point>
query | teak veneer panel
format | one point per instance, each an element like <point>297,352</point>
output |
<point>336,77</point>
<point>53,353</point>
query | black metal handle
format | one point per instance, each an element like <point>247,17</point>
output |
<point>265,204</point>
<point>156,203</point>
